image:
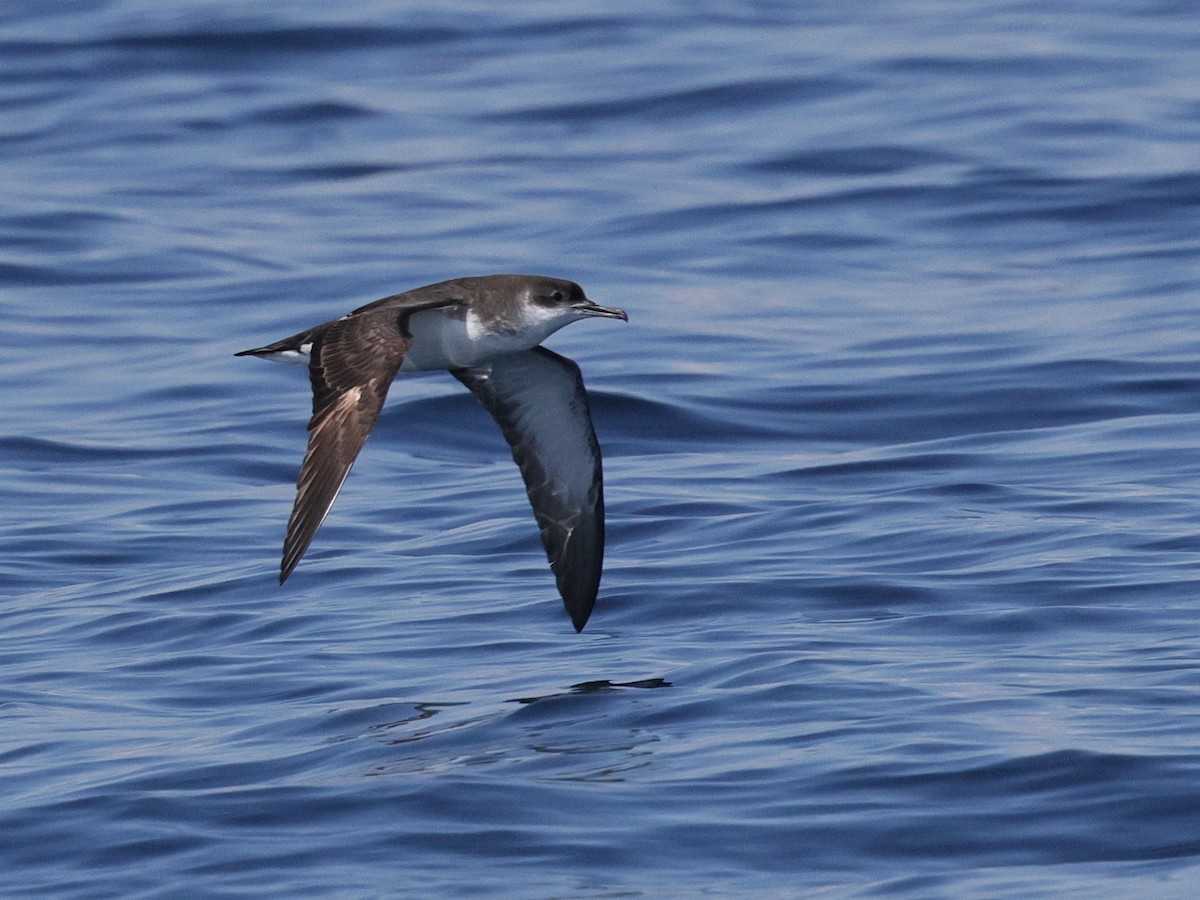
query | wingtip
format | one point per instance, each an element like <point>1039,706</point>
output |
<point>286,568</point>
<point>287,565</point>
<point>579,609</point>
<point>578,580</point>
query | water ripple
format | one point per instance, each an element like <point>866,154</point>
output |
<point>899,445</point>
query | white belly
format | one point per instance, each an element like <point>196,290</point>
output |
<point>443,340</point>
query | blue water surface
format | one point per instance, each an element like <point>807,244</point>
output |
<point>902,593</point>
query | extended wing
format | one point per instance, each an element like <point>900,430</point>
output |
<point>538,400</point>
<point>352,361</point>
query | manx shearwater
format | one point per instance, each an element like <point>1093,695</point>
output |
<point>486,331</point>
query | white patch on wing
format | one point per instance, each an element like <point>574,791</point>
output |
<point>294,357</point>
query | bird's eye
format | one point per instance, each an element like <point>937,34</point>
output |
<point>557,296</point>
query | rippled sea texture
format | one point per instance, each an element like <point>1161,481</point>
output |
<point>901,441</point>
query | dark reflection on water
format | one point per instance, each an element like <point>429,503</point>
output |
<point>601,686</point>
<point>899,452</point>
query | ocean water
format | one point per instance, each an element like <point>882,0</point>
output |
<point>902,593</point>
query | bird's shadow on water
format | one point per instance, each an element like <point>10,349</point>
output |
<point>597,687</point>
<point>560,735</point>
